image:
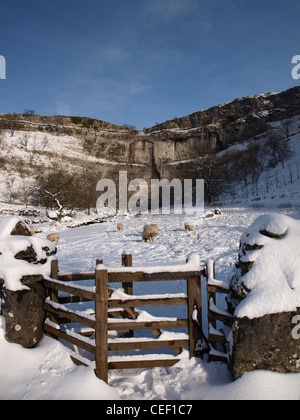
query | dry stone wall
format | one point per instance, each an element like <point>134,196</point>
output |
<point>23,293</point>
<point>264,298</point>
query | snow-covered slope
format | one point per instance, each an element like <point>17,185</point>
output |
<point>26,154</point>
<point>277,186</point>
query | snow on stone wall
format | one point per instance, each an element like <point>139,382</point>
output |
<point>267,278</point>
<point>22,254</point>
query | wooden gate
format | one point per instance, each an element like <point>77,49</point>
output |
<point>115,312</point>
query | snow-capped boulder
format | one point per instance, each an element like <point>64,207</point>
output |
<point>20,228</point>
<point>25,260</point>
<point>208,214</point>
<point>267,276</point>
<point>265,296</point>
<point>22,254</point>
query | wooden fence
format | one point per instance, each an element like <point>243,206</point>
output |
<point>115,314</point>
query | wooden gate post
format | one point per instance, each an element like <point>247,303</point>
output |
<point>128,288</point>
<point>1,294</point>
<point>101,331</point>
<point>211,275</point>
<point>194,312</point>
<point>53,294</point>
<point>54,276</point>
<point>127,262</point>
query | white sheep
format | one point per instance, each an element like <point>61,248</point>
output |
<point>53,237</point>
<point>120,227</point>
<point>32,230</point>
<point>189,227</point>
<point>150,232</point>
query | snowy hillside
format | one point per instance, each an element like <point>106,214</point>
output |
<point>269,186</point>
<point>26,155</point>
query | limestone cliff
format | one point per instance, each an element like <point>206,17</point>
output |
<point>169,149</point>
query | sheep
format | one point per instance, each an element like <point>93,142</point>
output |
<point>189,227</point>
<point>151,228</point>
<point>147,236</point>
<point>53,237</point>
<point>120,227</point>
<point>149,233</point>
<point>32,230</point>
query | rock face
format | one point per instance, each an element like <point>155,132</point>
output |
<point>265,343</point>
<point>223,125</point>
<point>166,150</point>
<point>264,297</point>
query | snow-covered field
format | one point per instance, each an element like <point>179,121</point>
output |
<point>47,372</point>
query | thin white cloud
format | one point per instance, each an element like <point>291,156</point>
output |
<point>171,8</point>
<point>63,108</point>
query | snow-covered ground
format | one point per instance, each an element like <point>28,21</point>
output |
<point>47,372</point>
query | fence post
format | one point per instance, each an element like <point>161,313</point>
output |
<point>101,332</point>
<point>54,275</point>
<point>194,312</point>
<point>53,295</point>
<point>54,269</point>
<point>211,274</point>
<point>128,288</point>
<point>127,262</point>
<point>1,294</point>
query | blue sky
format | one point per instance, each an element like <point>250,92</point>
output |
<point>143,61</point>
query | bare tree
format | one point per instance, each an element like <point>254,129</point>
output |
<point>26,192</point>
<point>256,159</point>
<point>54,197</point>
<point>208,168</point>
<point>86,195</point>
<point>44,142</point>
<point>279,149</point>
<point>11,193</point>
<point>25,139</point>
<point>27,112</point>
<point>54,187</point>
<point>239,167</point>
